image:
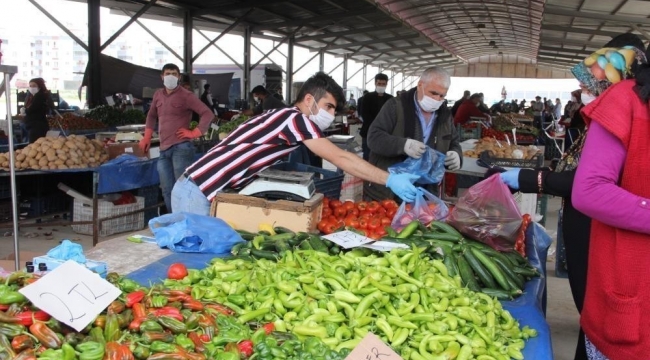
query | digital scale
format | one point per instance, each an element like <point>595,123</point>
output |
<point>274,184</point>
<point>129,133</point>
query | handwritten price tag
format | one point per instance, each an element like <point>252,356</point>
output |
<point>372,348</point>
<point>385,246</point>
<point>348,239</point>
<point>72,294</point>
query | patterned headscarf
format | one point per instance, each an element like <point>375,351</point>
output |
<point>611,64</point>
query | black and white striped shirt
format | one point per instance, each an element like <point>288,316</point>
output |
<point>252,147</point>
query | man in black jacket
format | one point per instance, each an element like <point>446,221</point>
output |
<point>458,102</point>
<point>372,103</point>
<point>406,125</point>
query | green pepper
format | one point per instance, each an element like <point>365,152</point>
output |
<point>149,337</point>
<point>175,326</point>
<point>185,342</point>
<point>127,285</point>
<point>68,352</point>
<point>141,353</point>
<point>162,347</point>
<point>51,354</point>
<point>97,335</point>
<point>12,297</point>
<point>227,356</point>
<point>150,325</point>
<point>11,330</point>
<point>91,350</point>
<point>112,328</point>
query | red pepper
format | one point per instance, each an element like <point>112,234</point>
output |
<point>27,318</point>
<point>181,298</point>
<point>269,328</point>
<point>205,338</point>
<point>246,347</point>
<point>46,336</point>
<point>4,307</point>
<point>22,342</point>
<point>139,315</point>
<point>193,304</point>
<point>196,339</point>
<point>222,309</point>
<point>206,320</point>
<point>134,297</point>
<point>169,311</point>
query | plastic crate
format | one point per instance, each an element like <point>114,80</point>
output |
<point>327,182</point>
<point>84,212</point>
<point>467,134</point>
<point>151,195</point>
<point>536,162</point>
<point>551,151</point>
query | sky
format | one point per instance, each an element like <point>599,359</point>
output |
<point>21,18</point>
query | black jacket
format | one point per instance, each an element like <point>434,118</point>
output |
<point>35,113</point>
<point>372,104</point>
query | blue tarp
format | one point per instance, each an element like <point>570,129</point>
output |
<point>127,172</point>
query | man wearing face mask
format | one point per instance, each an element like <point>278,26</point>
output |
<point>372,104</point>
<point>469,109</point>
<point>408,124</point>
<point>266,101</point>
<point>171,108</point>
<point>266,139</point>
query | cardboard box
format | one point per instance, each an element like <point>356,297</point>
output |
<point>8,262</point>
<point>247,212</point>
<point>115,150</point>
<point>98,267</point>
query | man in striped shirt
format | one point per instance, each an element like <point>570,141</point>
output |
<point>266,139</point>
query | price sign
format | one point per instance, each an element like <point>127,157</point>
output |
<point>348,239</point>
<point>72,294</point>
<point>385,246</point>
<point>372,348</point>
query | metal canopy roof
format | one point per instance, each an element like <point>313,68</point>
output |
<point>407,35</point>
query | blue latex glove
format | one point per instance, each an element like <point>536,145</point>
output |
<point>511,178</point>
<point>402,186</point>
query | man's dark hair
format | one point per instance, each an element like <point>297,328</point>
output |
<point>320,84</point>
<point>365,92</point>
<point>206,86</point>
<point>170,66</point>
<point>466,93</point>
<point>381,76</point>
<point>475,96</point>
<point>259,89</point>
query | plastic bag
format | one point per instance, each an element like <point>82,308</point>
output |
<point>488,213</point>
<point>426,208</point>
<point>185,232</point>
<point>68,251</point>
<point>430,167</point>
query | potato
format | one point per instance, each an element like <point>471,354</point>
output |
<point>71,144</point>
<point>43,161</point>
<point>5,164</point>
<point>32,153</point>
<point>53,166</point>
<point>69,162</point>
<point>57,144</point>
<point>32,162</point>
<point>62,167</point>
<point>59,162</point>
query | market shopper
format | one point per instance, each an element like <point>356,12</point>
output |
<point>266,101</point>
<point>406,125</point>
<point>466,96</point>
<point>264,140</point>
<point>372,104</point>
<point>469,109</point>
<point>206,97</point>
<point>576,226</point>
<point>36,109</point>
<point>171,110</point>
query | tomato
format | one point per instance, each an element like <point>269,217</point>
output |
<point>373,206</point>
<point>335,203</point>
<point>351,221</point>
<point>349,205</point>
<point>340,212</point>
<point>245,347</point>
<point>385,221</point>
<point>329,228</point>
<point>327,211</point>
<point>362,205</point>
<point>388,204</point>
<point>321,225</point>
<point>391,213</point>
<point>366,213</point>
<point>332,219</point>
<point>354,212</point>
<point>374,224</point>
<point>268,328</point>
<point>375,236</point>
<point>177,271</point>
<point>381,232</point>
<point>363,223</point>
<point>380,211</point>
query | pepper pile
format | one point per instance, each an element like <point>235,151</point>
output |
<point>158,323</point>
<point>406,298</point>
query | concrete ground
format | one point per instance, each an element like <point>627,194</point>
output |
<point>562,315</point>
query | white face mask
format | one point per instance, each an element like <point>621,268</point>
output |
<point>256,98</point>
<point>380,89</point>
<point>323,119</point>
<point>430,104</point>
<point>33,90</point>
<point>170,82</point>
<point>573,99</point>
<point>587,98</point>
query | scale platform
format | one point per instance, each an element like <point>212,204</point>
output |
<point>274,184</point>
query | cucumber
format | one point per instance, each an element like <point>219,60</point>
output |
<point>444,227</point>
<point>466,274</point>
<point>283,236</point>
<point>450,263</point>
<point>481,273</point>
<point>510,275</point>
<point>268,246</point>
<point>283,230</point>
<point>317,244</point>
<point>265,233</point>
<point>237,248</point>
<point>246,235</point>
<point>497,255</point>
<point>492,267</point>
<point>497,293</point>
<point>261,254</point>
<point>517,257</point>
<point>527,272</point>
<point>444,237</point>
<point>282,246</point>
<point>304,245</point>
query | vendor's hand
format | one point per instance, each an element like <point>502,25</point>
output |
<point>414,148</point>
<point>511,178</point>
<point>402,186</point>
<point>145,144</point>
<point>452,160</point>
<point>188,134</point>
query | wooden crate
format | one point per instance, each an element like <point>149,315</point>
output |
<point>247,212</point>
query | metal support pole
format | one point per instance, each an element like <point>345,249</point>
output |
<point>247,62</point>
<point>321,61</point>
<point>365,75</point>
<point>289,89</point>
<point>12,161</point>
<point>94,91</point>
<point>392,81</point>
<point>262,52</point>
<point>345,71</point>
<point>188,48</point>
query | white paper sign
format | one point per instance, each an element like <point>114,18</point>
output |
<point>52,134</point>
<point>72,294</point>
<point>348,239</point>
<point>372,348</point>
<point>385,246</point>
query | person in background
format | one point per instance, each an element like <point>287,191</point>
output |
<point>36,109</point>
<point>360,104</point>
<point>206,97</point>
<point>612,187</point>
<point>171,109</point>
<point>406,125</point>
<point>187,85</point>
<point>481,106</point>
<point>469,109</point>
<point>352,102</point>
<point>459,102</point>
<point>373,102</point>
<point>557,109</point>
<point>265,139</point>
<point>266,101</point>
<point>278,94</point>
<point>513,106</point>
<point>561,182</point>
<point>538,111</point>
<point>522,105</point>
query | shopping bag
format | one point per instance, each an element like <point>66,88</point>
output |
<point>430,167</point>
<point>426,208</point>
<point>185,232</point>
<point>488,213</point>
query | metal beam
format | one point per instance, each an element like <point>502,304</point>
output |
<point>314,20</point>
<point>60,25</point>
<point>272,50</point>
<point>427,47</point>
<point>247,62</point>
<point>370,42</point>
<point>345,72</point>
<point>336,67</point>
<point>232,26</point>
<point>289,90</point>
<point>153,35</point>
<point>188,44</point>
<point>349,32</point>
<point>262,52</point>
<point>570,29</point>
<point>222,51</point>
<point>355,73</point>
<point>321,61</point>
<point>545,39</point>
<point>128,23</point>
<point>552,55</point>
<point>94,89</point>
<point>642,31</point>
<point>306,63</point>
<point>240,5</point>
<point>565,50</point>
<point>552,10</point>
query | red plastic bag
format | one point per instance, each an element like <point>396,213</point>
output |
<point>488,213</point>
<point>426,208</point>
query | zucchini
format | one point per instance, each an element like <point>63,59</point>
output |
<point>507,271</point>
<point>527,271</point>
<point>450,263</point>
<point>481,273</point>
<point>497,293</point>
<point>443,237</point>
<point>261,254</point>
<point>444,227</point>
<point>282,246</point>
<point>492,267</point>
<point>467,275</point>
<point>318,244</point>
<point>283,230</point>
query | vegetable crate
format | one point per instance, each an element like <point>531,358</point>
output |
<point>534,163</point>
<point>327,182</point>
<point>469,133</point>
<point>83,211</point>
<point>247,212</point>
